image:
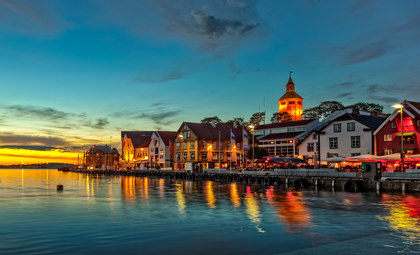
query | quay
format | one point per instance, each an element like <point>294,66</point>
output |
<point>327,179</point>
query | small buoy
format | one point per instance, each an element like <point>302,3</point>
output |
<point>60,187</point>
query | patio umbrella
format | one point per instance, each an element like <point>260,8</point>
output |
<point>395,156</point>
<point>335,159</point>
<point>363,157</point>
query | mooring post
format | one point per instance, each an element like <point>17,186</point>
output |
<point>378,187</point>
<point>403,187</point>
<point>286,181</point>
<point>332,184</point>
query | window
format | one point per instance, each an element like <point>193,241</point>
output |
<point>355,154</point>
<point>290,129</point>
<point>310,147</point>
<point>214,146</point>
<point>314,137</point>
<point>393,125</point>
<point>333,142</point>
<point>204,155</point>
<point>188,134</point>
<point>192,155</point>
<point>299,103</point>
<point>221,146</point>
<point>228,155</point>
<point>184,145</point>
<point>204,144</point>
<point>387,151</point>
<point>387,138</point>
<point>192,145</point>
<point>291,102</point>
<point>161,156</point>
<point>351,126</point>
<point>337,128</point>
<point>185,155</point>
<point>283,103</point>
<point>215,155</point>
<point>178,156</point>
<point>418,123</point>
<point>355,141</point>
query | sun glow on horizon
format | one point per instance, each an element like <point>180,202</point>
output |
<point>17,156</point>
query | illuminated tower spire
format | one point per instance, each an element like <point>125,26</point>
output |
<point>291,102</point>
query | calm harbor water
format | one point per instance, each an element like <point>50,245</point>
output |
<point>133,215</point>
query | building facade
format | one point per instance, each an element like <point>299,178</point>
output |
<point>388,136</point>
<point>281,139</point>
<point>135,148</point>
<point>102,157</point>
<point>161,149</point>
<point>348,135</point>
<point>205,145</point>
<point>291,102</point>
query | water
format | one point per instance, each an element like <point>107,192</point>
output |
<point>132,215</point>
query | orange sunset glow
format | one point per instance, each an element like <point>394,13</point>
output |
<point>17,156</point>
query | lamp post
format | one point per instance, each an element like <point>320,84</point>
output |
<point>182,150</point>
<point>252,130</point>
<point>400,106</point>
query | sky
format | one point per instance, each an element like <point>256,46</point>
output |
<point>76,73</point>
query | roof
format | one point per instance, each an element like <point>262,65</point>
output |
<point>166,136</point>
<point>207,131</point>
<point>138,138</point>
<point>280,136</point>
<point>412,105</point>
<point>285,124</point>
<point>290,94</point>
<point>103,148</point>
<point>372,122</point>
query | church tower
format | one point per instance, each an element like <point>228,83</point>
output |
<point>291,102</point>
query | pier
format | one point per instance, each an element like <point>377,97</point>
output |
<point>326,179</point>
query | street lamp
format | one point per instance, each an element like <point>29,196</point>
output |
<point>182,150</point>
<point>252,130</point>
<point>400,106</point>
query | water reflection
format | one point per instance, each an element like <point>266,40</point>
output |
<point>180,198</point>
<point>404,216</point>
<point>234,197</point>
<point>210,197</point>
<point>291,209</point>
<point>252,209</point>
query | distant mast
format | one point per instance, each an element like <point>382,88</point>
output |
<point>291,102</point>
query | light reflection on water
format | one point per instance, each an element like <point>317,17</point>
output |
<point>97,214</point>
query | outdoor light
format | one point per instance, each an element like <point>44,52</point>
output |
<point>400,106</point>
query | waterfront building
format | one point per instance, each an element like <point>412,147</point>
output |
<point>102,157</point>
<point>206,145</point>
<point>161,149</point>
<point>348,135</point>
<point>281,139</point>
<point>135,148</point>
<point>388,135</point>
<point>291,102</point>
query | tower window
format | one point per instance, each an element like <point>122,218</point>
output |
<point>283,103</point>
<point>291,102</point>
<point>299,103</point>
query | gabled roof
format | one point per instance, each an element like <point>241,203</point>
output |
<point>166,136</point>
<point>290,94</point>
<point>284,124</point>
<point>372,122</point>
<point>103,148</point>
<point>207,131</point>
<point>288,135</point>
<point>138,138</point>
<point>413,106</point>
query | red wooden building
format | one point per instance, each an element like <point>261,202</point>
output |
<point>388,136</point>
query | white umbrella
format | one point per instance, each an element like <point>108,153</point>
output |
<point>395,156</point>
<point>360,157</point>
<point>335,159</point>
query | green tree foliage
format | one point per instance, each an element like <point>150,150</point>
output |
<point>280,117</point>
<point>216,120</point>
<point>239,122</point>
<point>323,110</point>
<point>257,118</point>
<point>258,153</point>
<point>367,107</point>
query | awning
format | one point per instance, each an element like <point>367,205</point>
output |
<point>363,157</point>
<point>405,134</point>
<point>335,159</point>
<point>395,156</point>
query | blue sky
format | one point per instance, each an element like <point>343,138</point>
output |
<point>72,71</point>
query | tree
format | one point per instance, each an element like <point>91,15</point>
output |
<point>370,107</point>
<point>280,117</point>
<point>257,118</point>
<point>214,119</point>
<point>238,121</point>
<point>322,110</point>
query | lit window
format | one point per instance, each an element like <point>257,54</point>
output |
<point>192,145</point>
<point>177,146</point>
<point>185,155</point>
<point>351,126</point>
<point>355,141</point>
<point>204,155</point>
<point>204,144</point>
<point>215,155</point>
<point>387,138</point>
<point>192,155</point>
<point>337,128</point>
<point>333,142</point>
<point>387,151</point>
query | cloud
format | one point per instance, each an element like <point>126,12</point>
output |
<point>39,112</point>
<point>18,139</point>
<point>99,123</point>
<point>373,50</point>
<point>160,117</point>
<point>237,3</point>
<point>212,28</point>
<point>31,17</point>
<point>164,78</point>
<point>234,69</point>
<point>29,147</point>
<point>347,94</point>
